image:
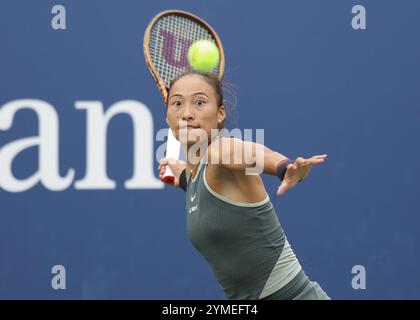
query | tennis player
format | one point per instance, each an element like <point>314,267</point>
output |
<point>230,218</point>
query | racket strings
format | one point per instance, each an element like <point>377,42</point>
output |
<point>170,39</point>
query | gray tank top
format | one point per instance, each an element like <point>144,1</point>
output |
<point>243,243</point>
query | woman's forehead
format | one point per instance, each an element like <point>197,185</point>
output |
<point>190,84</point>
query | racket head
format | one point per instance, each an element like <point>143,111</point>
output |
<point>166,42</point>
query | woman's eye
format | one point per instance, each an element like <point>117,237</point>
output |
<point>177,103</point>
<point>199,102</point>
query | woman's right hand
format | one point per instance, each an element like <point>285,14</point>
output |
<point>177,166</point>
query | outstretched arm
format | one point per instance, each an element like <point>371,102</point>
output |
<point>236,154</point>
<point>239,155</point>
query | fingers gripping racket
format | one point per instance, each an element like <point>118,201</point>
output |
<point>166,42</point>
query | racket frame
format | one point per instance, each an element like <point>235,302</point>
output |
<point>146,44</point>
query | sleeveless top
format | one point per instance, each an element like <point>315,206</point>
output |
<point>243,243</point>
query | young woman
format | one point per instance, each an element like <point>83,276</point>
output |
<point>230,218</point>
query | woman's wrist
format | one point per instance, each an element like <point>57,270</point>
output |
<point>282,168</point>
<point>183,180</point>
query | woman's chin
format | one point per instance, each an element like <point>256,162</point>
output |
<point>195,142</point>
<point>192,136</point>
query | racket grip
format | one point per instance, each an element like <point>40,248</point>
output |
<point>168,177</point>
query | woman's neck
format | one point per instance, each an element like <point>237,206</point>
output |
<point>196,151</point>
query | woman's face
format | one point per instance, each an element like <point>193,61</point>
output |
<point>193,110</point>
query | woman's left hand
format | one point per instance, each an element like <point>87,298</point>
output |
<point>297,171</point>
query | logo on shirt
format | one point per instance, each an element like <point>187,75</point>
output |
<point>192,209</point>
<point>193,197</point>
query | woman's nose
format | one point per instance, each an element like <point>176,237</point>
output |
<point>188,114</point>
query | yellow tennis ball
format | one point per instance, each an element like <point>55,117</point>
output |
<point>203,55</point>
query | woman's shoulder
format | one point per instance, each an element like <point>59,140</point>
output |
<point>221,148</point>
<point>221,152</point>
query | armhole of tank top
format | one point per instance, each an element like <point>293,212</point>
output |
<point>233,202</point>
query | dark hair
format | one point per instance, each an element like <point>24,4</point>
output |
<point>213,80</point>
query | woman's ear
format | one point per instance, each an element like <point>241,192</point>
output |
<point>221,113</point>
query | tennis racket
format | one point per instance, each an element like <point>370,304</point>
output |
<point>166,42</point>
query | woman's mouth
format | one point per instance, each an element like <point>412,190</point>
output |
<point>189,126</point>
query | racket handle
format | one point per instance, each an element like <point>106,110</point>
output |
<point>168,177</point>
<point>173,147</point>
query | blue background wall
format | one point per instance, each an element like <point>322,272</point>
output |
<point>300,71</point>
